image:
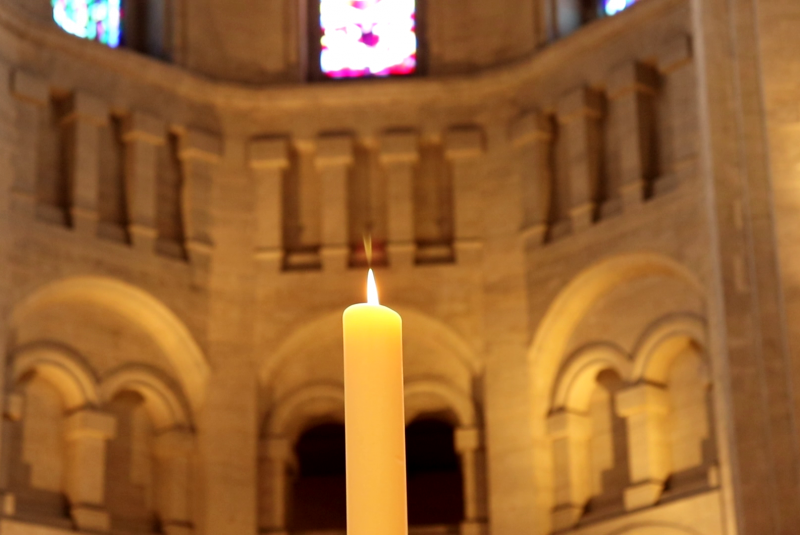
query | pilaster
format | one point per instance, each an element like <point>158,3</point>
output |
<point>463,147</point>
<point>570,434</point>
<point>333,160</point>
<point>399,156</point>
<point>269,159</point>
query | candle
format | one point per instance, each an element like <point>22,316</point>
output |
<point>374,418</point>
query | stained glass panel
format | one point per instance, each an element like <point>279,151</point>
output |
<point>612,7</point>
<point>98,20</point>
<point>362,38</point>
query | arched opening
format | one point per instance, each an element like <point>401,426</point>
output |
<point>317,499</point>
<point>435,482</point>
<point>131,467</point>
<point>145,26</point>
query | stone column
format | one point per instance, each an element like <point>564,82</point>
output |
<point>87,432</point>
<point>578,116</point>
<point>82,123</point>
<point>274,457</point>
<point>462,147</point>
<point>645,408</point>
<point>34,95</point>
<point>333,160</point>
<point>570,434</point>
<point>631,91</point>
<point>532,137</point>
<point>199,153</point>
<point>173,450</point>
<point>679,89</point>
<point>469,445</point>
<point>269,159</point>
<point>143,135</point>
<point>399,157</point>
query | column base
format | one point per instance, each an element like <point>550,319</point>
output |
<point>566,516</point>
<point>473,528</point>
<point>178,529</point>
<point>643,495</point>
<point>334,258</point>
<point>90,518</point>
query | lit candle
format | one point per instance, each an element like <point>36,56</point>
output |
<point>374,418</point>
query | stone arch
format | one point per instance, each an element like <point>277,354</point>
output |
<point>73,379</point>
<point>576,380</point>
<point>448,397</point>
<point>137,306</point>
<point>655,528</point>
<point>576,299</point>
<point>294,412</point>
<point>662,342</point>
<point>163,404</point>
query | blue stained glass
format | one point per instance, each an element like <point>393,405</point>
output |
<point>98,20</point>
<point>612,7</point>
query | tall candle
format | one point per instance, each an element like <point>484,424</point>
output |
<point>374,418</point>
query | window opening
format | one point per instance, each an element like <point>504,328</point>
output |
<point>612,7</point>
<point>367,38</point>
<point>97,20</point>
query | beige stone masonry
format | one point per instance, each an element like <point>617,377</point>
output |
<point>645,407</point>
<point>399,155</point>
<point>570,434</point>
<point>469,446</point>
<point>532,137</point>
<point>631,91</point>
<point>578,116</point>
<point>463,146</point>
<point>34,96</point>
<point>275,455</point>
<point>333,160</point>
<point>87,114</point>
<point>87,433</point>
<point>173,450</point>
<point>269,159</point>
<point>142,136</point>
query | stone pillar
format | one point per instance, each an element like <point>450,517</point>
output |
<point>631,91</point>
<point>578,116</point>
<point>173,450</point>
<point>469,445</point>
<point>274,457</point>
<point>462,147</point>
<point>87,432</point>
<point>34,95</point>
<point>679,89</point>
<point>143,135</point>
<point>399,157</point>
<point>199,153</point>
<point>269,159</point>
<point>532,137</point>
<point>645,408</point>
<point>570,434</point>
<point>82,123</point>
<point>333,160</point>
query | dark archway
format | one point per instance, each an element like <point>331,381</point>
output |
<point>435,482</point>
<point>317,498</point>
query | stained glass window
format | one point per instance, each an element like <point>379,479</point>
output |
<point>362,38</point>
<point>98,20</point>
<point>612,7</point>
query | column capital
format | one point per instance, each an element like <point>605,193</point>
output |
<point>143,127</point>
<point>530,127</point>
<point>14,407</point>
<point>468,439</point>
<point>642,398</point>
<point>675,53</point>
<point>631,77</point>
<point>565,424</point>
<point>199,145</point>
<point>399,146</point>
<point>464,142</point>
<point>270,152</point>
<point>88,108</point>
<point>90,423</point>
<point>30,88</point>
<point>334,150</point>
<point>276,448</point>
<point>580,102</point>
<point>174,443</point>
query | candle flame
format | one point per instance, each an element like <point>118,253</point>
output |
<point>372,289</point>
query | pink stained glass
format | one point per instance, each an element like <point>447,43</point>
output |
<point>364,38</point>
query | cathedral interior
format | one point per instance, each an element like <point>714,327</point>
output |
<point>587,213</point>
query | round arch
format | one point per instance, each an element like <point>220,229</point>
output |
<point>67,373</point>
<point>662,342</point>
<point>574,384</point>
<point>292,413</point>
<point>138,307</point>
<point>419,393</point>
<point>161,401</point>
